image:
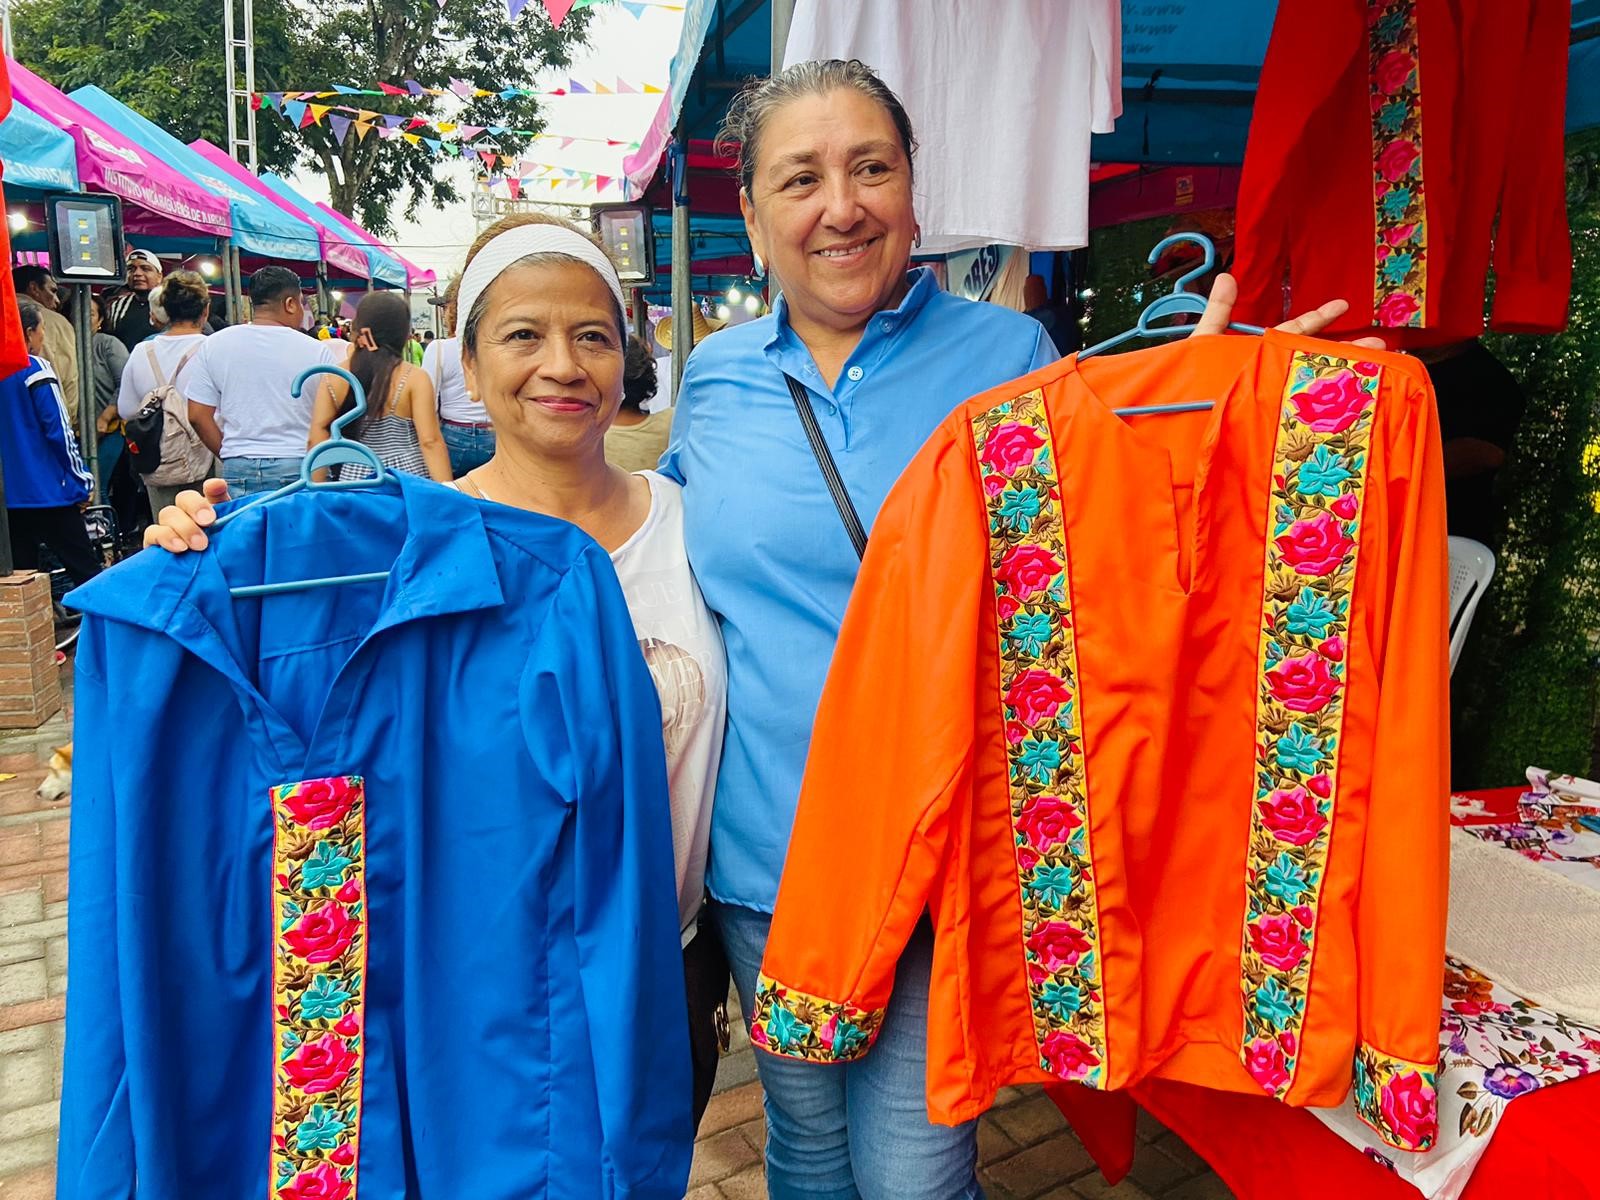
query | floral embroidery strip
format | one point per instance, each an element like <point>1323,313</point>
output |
<point>1319,470</point>
<point>319,956</point>
<point>797,1025</point>
<point>1048,784</point>
<point>1400,273</point>
<point>1399,1099</point>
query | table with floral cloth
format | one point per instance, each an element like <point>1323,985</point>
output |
<point>1496,1047</point>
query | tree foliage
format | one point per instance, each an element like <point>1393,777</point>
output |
<point>164,58</point>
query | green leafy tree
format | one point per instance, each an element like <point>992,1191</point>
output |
<point>164,58</point>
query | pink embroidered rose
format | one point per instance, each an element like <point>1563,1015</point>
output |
<point>1305,684</point>
<point>993,485</point>
<point>1027,858</point>
<point>1410,1111</point>
<point>1320,785</point>
<point>1005,607</point>
<point>1369,369</point>
<point>1315,546</point>
<point>1397,310</point>
<point>349,1025</point>
<point>322,934</point>
<point>322,1182</point>
<point>1015,732</point>
<point>1394,68</point>
<point>1394,163</point>
<point>1332,648</point>
<point>1027,570</point>
<point>1276,938</point>
<point>1069,1056</point>
<point>1346,506</point>
<point>1397,235</point>
<point>1047,821</point>
<point>1010,447</point>
<point>320,1066</point>
<point>1264,1059</point>
<point>350,892</point>
<point>1303,914</point>
<point>1292,816</point>
<point>344,1155</point>
<point>1035,695</point>
<point>321,803</point>
<point>1056,942</point>
<point>1331,404</point>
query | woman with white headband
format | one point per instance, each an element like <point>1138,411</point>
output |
<point>540,318</point>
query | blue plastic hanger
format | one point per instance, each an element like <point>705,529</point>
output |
<point>337,449</point>
<point>1177,301</point>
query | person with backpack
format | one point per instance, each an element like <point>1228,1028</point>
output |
<point>161,443</point>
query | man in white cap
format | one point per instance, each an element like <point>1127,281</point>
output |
<point>129,313</point>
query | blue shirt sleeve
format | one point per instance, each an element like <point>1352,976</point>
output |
<point>95,1159</point>
<point>592,721</point>
<point>50,412</point>
<point>1044,350</point>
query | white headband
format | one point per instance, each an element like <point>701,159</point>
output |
<point>515,244</point>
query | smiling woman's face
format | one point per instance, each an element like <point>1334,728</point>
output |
<point>548,359</point>
<point>830,206</point>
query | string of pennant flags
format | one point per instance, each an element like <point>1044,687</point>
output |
<point>557,10</point>
<point>464,90</point>
<point>302,113</point>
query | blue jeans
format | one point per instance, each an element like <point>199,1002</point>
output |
<point>469,446</point>
<point>860,1130</point>
<point>248,476</point>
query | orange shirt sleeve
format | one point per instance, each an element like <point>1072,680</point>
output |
<point>1404,890</point>
<point>877,809</point>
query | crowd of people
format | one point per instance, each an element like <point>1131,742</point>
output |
<point>224,395</point>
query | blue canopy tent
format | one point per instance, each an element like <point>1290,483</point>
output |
<point>259,229</point>
<point>38,157</point>
<point>382,269</point>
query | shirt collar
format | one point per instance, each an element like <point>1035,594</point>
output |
<point>923,285</point>
<point>445,565</point>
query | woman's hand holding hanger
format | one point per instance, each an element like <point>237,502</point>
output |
<point>1219,310</point>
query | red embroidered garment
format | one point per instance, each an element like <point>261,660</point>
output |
<point>1392,142</point>
<point>1149,714</point>
<point>13,349</point>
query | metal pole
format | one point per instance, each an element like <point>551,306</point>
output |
<point>88,439</point>
<point>236,273</point>
<point>250,79</point>
<point>782,18</point>
<point>682,292</point>
<point>641,325</point>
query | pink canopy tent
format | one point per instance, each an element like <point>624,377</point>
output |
<point>160,201</point>
<point>415,276</point>
<point>338,248</point>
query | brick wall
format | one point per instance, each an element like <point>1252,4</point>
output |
<point>30,682</point>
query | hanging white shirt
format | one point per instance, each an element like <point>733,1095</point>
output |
<point>1004,95</point>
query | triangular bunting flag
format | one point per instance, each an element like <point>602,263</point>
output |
<point>554,184</point>
<point>566,141</point>
<point>294,110</point>
<point>433,144</point>
<point>346,91</point>
<point>389,89</point>
<point>488,158</point>
<point>318,111</point>
<point>651,89</point>
<point>514,186</point>
<point>413,88</point>
<point>362,129</point>
<point>462,88</point>
<point>624,88</point>
<point>601,89</point>
<point>507,160</point>
<point>636,9</point>
<point>366,114</point>
<point>306,119</point>
<point>446,126</point>
<point>340,126</point>
<point>468,132</point>
<point>413,138</point>
<point>557,10</point>
<point>272,99</point>
<point>255,102</point>
<point>498,130</point>
<point>386,133</point>
<point>576,88</point>
<point>602,182</point>
<point>416,123</point>
<point>394,120</point>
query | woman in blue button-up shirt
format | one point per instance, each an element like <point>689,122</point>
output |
<point>884,355</point>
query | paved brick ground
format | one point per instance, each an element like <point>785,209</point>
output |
<point>1026,1150</point>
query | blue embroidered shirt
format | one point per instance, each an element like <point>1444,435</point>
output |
<point>446,962</point>
<point>766,543</point>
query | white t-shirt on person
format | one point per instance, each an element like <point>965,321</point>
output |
<point>246,372</point>
<point>682,646</point>
<point>442,361</point>
<point>139,380</point>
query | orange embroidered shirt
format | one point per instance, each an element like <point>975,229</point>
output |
<point>1149,712</point>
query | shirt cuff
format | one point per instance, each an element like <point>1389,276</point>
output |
<point>1398,1098</point>
<point>794,1024</point>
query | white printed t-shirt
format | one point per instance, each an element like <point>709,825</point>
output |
<point>246,372</point>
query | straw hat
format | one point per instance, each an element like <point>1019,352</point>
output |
<point>703,327</point>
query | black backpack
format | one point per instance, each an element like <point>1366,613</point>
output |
<point>161,444</point>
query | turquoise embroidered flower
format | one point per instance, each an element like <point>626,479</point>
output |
<point>1390,28</point>
<point>1397,203</point>
<point>1041,759</point>
<point>1020,506</point>
<point>1311,614</point>
<point>1051,885</point>
<point>1274,1005</point>
<point>786,1029</point>
<point>1060,1000</point>
<point>1396,267</point>
<point>325,867</point>
<point>1286,881</point>
<point>323,1000</point>
<point>321,1130</point>
<point>1300,751</point>
<point>846,1038</point>
<point>1029,632</point>
<point>1392,117</point>
<point>1323,473</point>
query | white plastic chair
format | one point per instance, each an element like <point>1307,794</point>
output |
<point>1471,569</point>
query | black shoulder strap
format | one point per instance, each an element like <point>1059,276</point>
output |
<point>830,469</point>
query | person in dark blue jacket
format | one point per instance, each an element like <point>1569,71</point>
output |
<point>46,482</point>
